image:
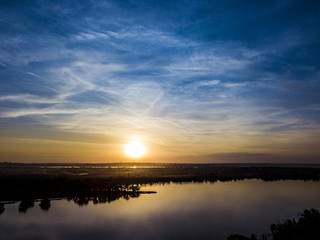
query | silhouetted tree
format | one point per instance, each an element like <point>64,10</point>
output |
<point>95,200</point>
<point>97,193</point>
<point>307,227</point>
<point>81,201</point>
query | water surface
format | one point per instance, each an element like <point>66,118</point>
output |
<point>176,211</point>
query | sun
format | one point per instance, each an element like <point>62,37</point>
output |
<point>135,149</point>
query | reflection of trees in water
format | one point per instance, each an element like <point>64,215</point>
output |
<point>45,204</point>
<point>25,204</point>
<point>104,197</point>
<point>95,195</point>
<point>107,194</point>
<point>1,208</point>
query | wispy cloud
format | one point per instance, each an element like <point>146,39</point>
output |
<point>183,76</point>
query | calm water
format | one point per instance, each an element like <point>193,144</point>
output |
<point>176,211</point>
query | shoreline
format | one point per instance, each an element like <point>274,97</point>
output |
<point>30,181</point>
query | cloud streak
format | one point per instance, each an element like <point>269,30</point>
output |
<point>184,76</point>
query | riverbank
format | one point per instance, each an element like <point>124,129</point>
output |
<point>19,181</point>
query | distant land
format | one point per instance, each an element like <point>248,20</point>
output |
<point>20,181</point>
<point>154,172</point>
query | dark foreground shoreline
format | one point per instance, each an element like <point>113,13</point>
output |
<point>39,181</point>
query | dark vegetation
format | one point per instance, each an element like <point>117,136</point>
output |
<point>51,181</point>
<point>146,173</point>
<point>306,227</point>
<point>81,196</point>
<point>1,208</point>
<point>107,182</point>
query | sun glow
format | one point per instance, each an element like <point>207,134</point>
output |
<point>135,149</point>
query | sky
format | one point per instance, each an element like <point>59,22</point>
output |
<point>194,81</point>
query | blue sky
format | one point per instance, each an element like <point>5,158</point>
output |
<point>191,79</point>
